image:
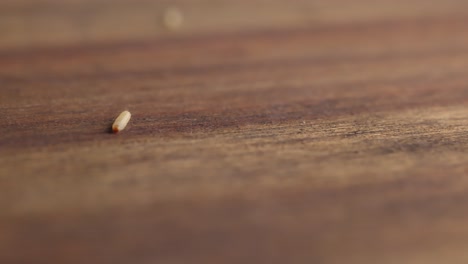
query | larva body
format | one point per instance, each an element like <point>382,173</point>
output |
<point>121,122</point>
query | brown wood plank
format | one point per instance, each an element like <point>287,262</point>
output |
<point>272,137</point>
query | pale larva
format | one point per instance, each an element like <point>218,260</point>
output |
<point>121,122</point>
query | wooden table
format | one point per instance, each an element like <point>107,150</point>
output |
<point>328,131</point>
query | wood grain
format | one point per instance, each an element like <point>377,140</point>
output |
<point>309,132</point>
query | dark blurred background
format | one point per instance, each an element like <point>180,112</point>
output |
<point>26,23</point>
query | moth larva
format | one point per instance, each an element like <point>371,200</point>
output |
<point>121,122</point>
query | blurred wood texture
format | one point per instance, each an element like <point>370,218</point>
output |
<point>327,131</point>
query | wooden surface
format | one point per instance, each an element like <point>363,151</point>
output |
<point>262,132</point>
